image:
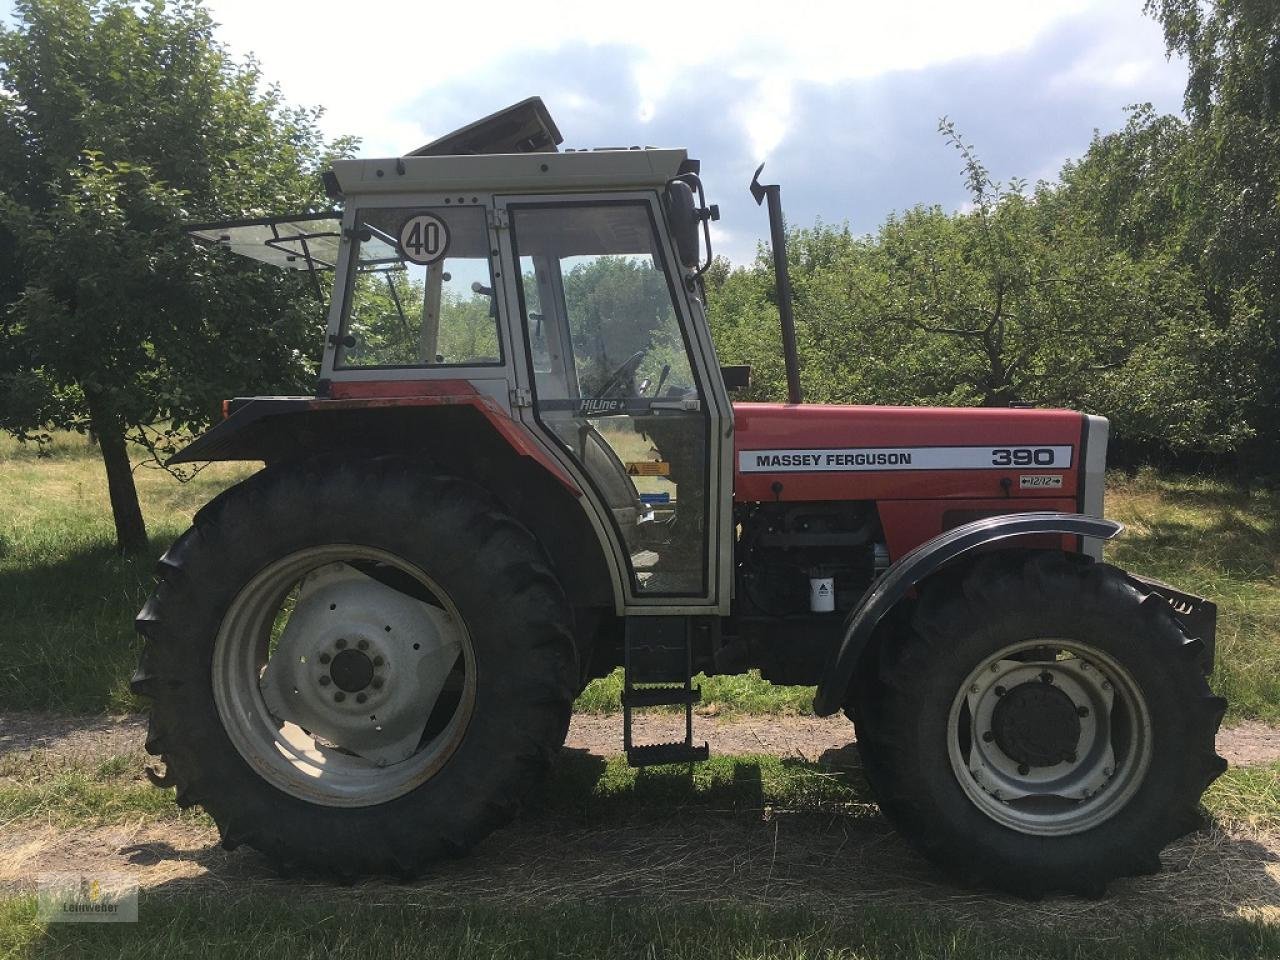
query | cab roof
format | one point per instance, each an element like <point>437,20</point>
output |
<point>579,170</point>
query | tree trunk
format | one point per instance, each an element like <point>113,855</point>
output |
<point>131,530</point>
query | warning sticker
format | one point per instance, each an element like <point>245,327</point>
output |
<point>1040,481</point>
<point>648,468</point>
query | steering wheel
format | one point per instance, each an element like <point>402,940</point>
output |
<point>623,375</point>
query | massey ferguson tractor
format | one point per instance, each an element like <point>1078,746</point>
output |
<point>522,469</point>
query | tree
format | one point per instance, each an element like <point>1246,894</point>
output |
<point>1232,217</point>
<point>118,122</point>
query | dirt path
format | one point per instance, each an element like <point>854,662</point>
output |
<point>80,740</point>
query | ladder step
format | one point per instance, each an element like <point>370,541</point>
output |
<point>661,696</point>
<point>655,754</point>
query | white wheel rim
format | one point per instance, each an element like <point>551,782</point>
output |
<point>322,770</point>
<point>1095,776</point>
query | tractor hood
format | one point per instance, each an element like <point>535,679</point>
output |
<point>818,452</point>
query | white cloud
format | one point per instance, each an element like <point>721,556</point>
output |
<point>1126,58</point>
<point>367,64</point>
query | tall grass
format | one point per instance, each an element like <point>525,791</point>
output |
<point>67,598</point>
<point>1209,537</point>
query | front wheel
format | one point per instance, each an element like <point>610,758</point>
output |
<point>1043,726</point>
<point>356,666</point>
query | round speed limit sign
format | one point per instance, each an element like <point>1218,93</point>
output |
<point>423,238</point>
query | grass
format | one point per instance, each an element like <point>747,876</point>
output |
<point>1211,538</point>
<point>175,926</point>
<point>67,600</point>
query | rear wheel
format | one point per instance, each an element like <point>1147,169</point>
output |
<point>1044,725</point>
<point>356,667</point>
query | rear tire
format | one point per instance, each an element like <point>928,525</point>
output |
<point>1118,657</point>
<point>495,576</point>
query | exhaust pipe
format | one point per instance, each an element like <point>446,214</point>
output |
<point>778,241</point>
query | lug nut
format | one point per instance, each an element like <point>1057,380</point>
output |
<point>1000,691</point>
<point>325,681</point>
<point>1023,769</point>
<point>988,737</point>
<point>325,658</point>
<point>339,697</point>
<point>341,644</point>
<point>1071,758</point>
<point>361,698</point>
<point>377,683</point>
<point>974,688</point>
<point>1082,711</point>
<point>377,661</point>
<point>1046,677</point>
<point>363,644</point>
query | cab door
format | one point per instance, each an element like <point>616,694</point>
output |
<point>625,389</point>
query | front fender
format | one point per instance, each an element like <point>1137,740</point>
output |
<point>913,567</point>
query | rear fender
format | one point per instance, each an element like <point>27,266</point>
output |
<point>465,435</point>
<point>925,560</point>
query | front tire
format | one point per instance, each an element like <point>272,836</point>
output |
<point>1042,726</point>
<point>314,745</point>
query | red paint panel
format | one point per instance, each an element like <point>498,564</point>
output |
<point>772,426</point>
<point>909,523</point>
<point>368,389</point>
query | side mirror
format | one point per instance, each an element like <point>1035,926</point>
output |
<point>683,214</point>
<point>688,216</point>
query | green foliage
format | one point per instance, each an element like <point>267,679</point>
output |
<point>617,306</point>
<point>118,122</point>
<point>386,320</point>
<point>1073,294</point>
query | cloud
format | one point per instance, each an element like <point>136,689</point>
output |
<point>853,149</point>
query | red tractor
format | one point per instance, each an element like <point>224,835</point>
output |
<point>522,469</point>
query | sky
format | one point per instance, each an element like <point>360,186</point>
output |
<point>841,100</point>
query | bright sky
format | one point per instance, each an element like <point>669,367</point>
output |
<point>841,99</point>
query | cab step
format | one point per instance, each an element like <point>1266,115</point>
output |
<point>659,655</point>
<point>656,754</point>
<point>661,696</point>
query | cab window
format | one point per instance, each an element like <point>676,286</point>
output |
<point>422,291</point>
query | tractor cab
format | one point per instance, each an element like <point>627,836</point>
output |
<point>559,288</point>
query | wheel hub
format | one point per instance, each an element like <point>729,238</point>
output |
<point>1036,725</point>
<point>360,664</point>
<point>351,671</point>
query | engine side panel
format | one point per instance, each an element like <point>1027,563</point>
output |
<point>926,469</point>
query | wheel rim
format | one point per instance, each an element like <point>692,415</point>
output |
<point>1049,737</point>
<point>337,687</point>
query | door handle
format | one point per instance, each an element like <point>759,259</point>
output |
<point>682,404</point>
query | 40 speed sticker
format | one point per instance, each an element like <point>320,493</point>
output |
<point>423,239</point>
<point>855,459</point>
